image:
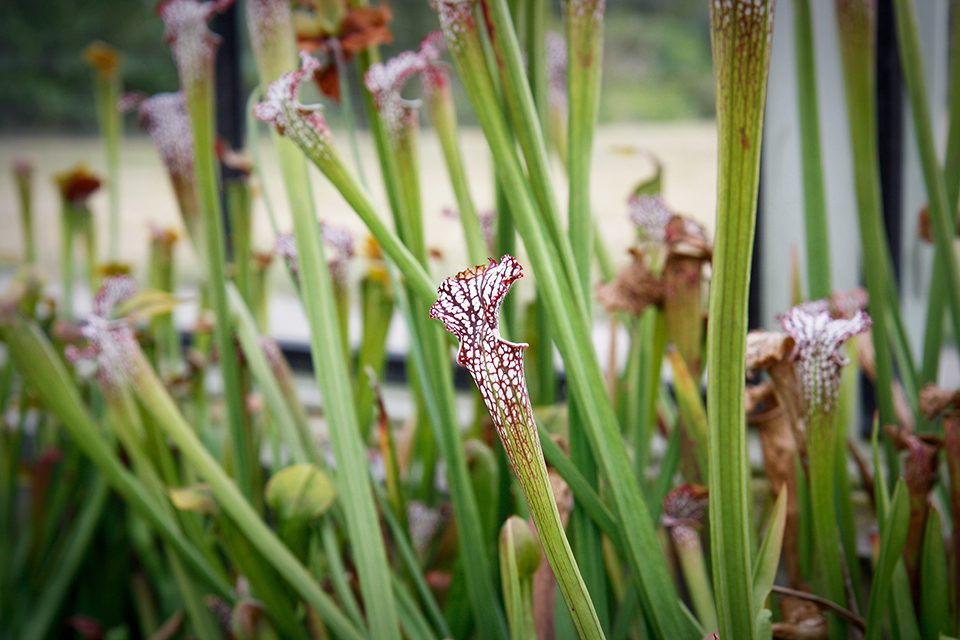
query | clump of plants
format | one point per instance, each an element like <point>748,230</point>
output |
<point>161,480</point>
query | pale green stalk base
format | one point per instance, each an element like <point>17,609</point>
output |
<point>157,401</point>
<point>690,553</point>
<point>523,448</point>
<point>25,192</point>
<point>584,21</point>
<point>822,449</point>
<point>516,545</point>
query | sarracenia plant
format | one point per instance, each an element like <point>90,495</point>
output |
<point>741,31</point>
<point>76,222</point>
<point>818,338</point>
<point>106,62</point>
<point>334,546</point>
<point>468,305</point>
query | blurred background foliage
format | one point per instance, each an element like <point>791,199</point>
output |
<point>657,58</point>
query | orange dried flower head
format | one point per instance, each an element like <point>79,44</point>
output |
<point>102,57</point>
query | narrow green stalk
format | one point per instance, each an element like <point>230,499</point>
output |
<point>23,173</point>
<point>107,89</point>
<point>443,116</point>
<point>894,522</point>
<point>200,105</point>
<point>535,48</point>
<point>740,35</point>
<point>856,22</point>
<point>468,305</point>
<point>527,130</point>
<point>814,201</point>
<point>933,331</point>
<point>942,216</point>
<point>67,239</point>
<point>587,382</point>
<point>690,553</point>
<point>584,22</point>
<point>821,449</point>
<point>43,614</point>
<point>934,599</point>
<point>346,106</point>
<point>519,559</point>
<point>338,572</point>
<point>377,303</point>
<point>158,402</point>
<point>846,518</point>
<point>414,623</point>
<point>239,201</point>
<point>300,445</point>
<point>44,371</point>
<point>198,613</point>
<point>161,278</point>
<point>88,232</point>
<point>642,382</point>
<point>505,243</point>
<point>404,145</point>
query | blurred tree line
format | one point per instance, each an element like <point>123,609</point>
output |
<point>658,57</point>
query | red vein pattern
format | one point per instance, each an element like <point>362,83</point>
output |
<point>469,305</point>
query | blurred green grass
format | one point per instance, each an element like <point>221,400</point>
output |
<point>657,59</point>
<point>656,67</point>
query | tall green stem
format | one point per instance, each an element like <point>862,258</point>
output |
<point>933,331</point>
<point>814,201</point>
<point>856,21</point>
<point>584,21</point>
<point>200,106</point>
<point>740,35</point>
<point>443,117</point>
<point>822,449</point>
<point>942,215</point>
